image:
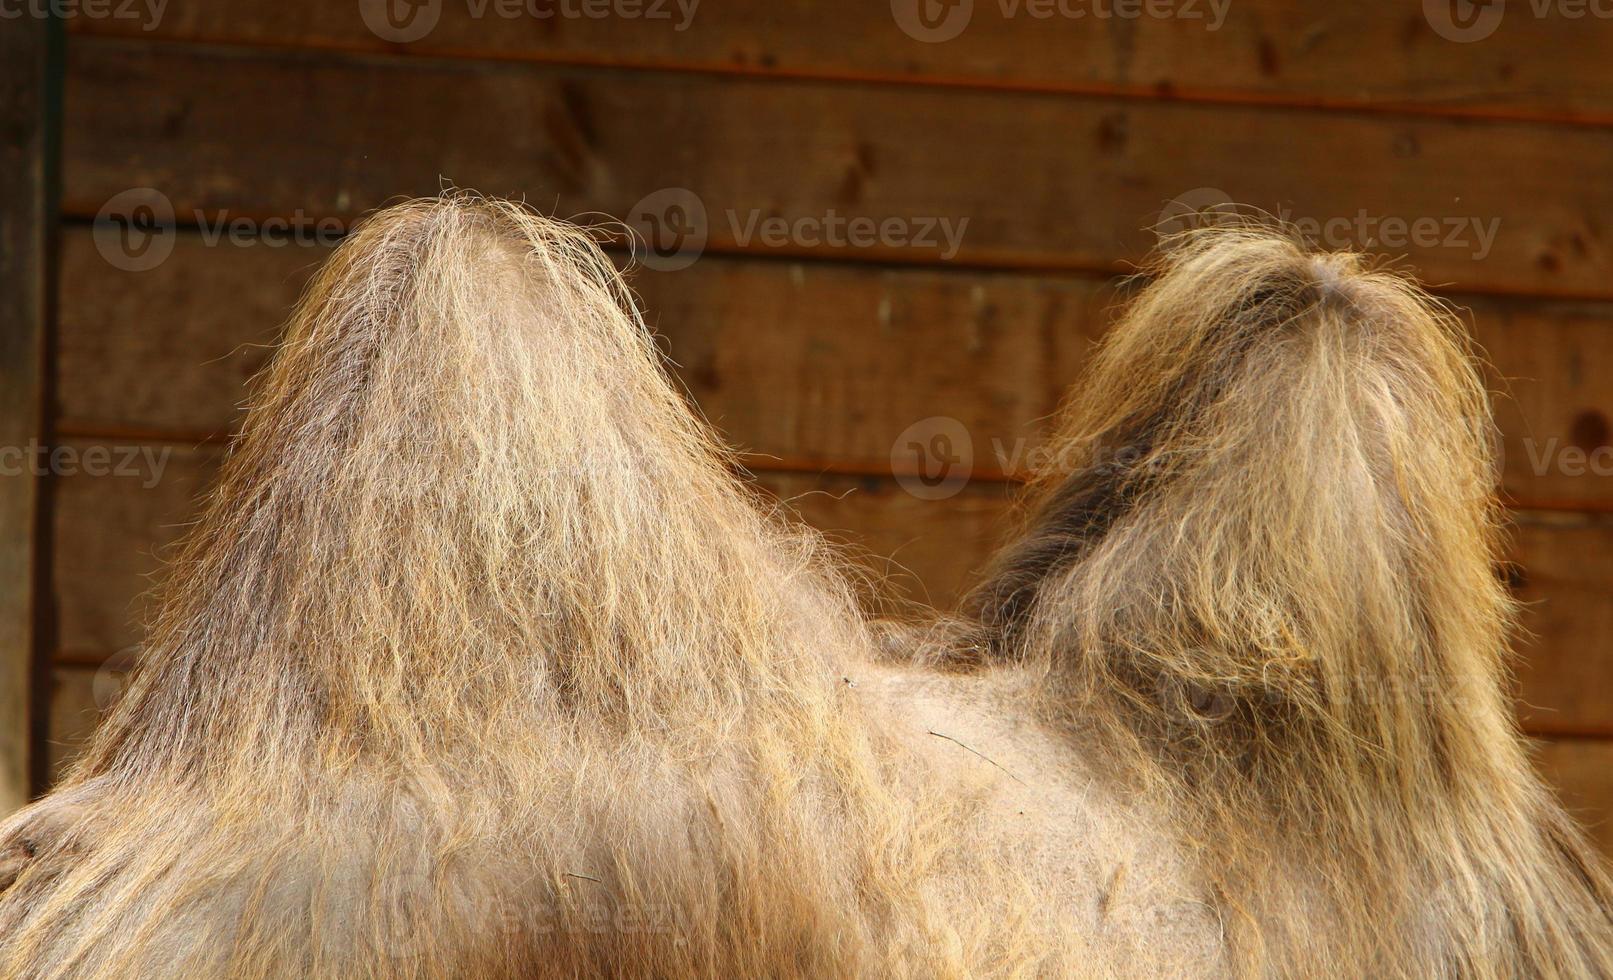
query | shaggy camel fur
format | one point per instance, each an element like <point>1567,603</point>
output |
<point>482,663</point>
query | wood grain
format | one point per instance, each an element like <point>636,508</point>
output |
<point>79,698</point>
<point>929,551</point>
<point>798,363</point>
<point>802,360</point>
<point>1551,364</point>
<point>1359,55</point>
<point>170,348</point>
<point>114,531</point>
<point>1582,771</point>
<point>1565,660</point>
<point>24,219</point>
<point>1504,207</point>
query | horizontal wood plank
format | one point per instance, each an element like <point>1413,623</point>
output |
<point>1550,63</point>
<point>1582,772</point>
<point>1564,657</point>
<point>914,548</point>
<point>170,348</point>
<point>1550,367</point>
<point>796,361</point>
<point>114,525</point>
<point>111,531</point>
<point>1026,181</point>
<point>814,362</point>
<point>79,698</point>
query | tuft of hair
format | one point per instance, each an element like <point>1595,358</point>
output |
<point>481,663</point>
<point>1260,577</point>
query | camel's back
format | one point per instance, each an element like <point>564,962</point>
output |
<point>1093,875</point>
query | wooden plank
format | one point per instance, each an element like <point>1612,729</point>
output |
<point>214,313</point>
<point>834,362</point>
<point>112,529</point>
<point>815,361</point>
<point>112,532</point>
<point>1028,181</point>
<point>1359,55</point>
<point>79,699</point>
<point>1565,658</point>
<point>924,550</point>
<point>1582,771</point>
<point>803,361</point>
<point>115,529</point>
<point>1551,364</point>
<point>25,215</point>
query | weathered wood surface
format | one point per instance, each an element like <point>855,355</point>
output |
<point>1565,662</point>
<point>781,110</point>
<point>1537,59</point>
<point>804,364</point>
<point>1582,771</point>
<point>113,529</point>
<point>24,217</point>
<point>1030,180</point>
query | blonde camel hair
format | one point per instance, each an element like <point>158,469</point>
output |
<point>482,663</point>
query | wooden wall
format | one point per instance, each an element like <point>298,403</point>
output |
<point>25,153</point>
<point>1058,140</point>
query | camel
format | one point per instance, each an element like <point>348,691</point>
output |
<point>483,661</point>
